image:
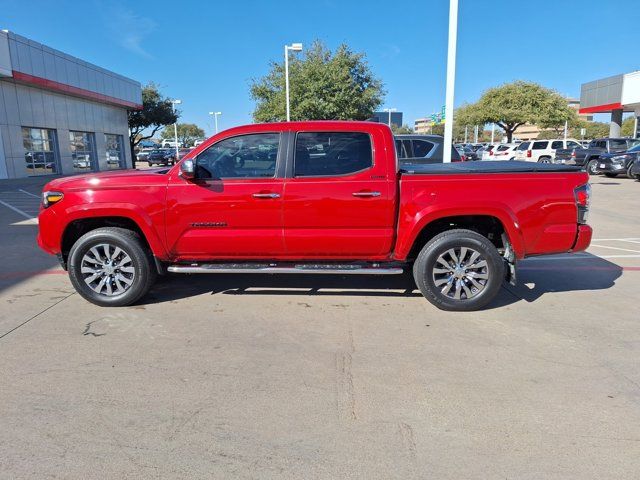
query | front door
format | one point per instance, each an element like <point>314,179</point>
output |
<point>338,203</point>
<point>233,208</point>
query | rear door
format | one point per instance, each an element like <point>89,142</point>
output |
<point>339,196</point>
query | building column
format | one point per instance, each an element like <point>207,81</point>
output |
<point>616,123</point>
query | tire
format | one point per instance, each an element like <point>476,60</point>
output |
<point>544,160</point>
<point>150,164</point>
<point>89,253</point>
<point>630,175</point>
<point>611,175</point>
<point>592,167</point>
<point>428,271</point>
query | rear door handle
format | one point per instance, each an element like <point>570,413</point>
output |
<point>266,195</point>
<point>366,194</point>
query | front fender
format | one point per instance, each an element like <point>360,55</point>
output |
<point>130,211</point>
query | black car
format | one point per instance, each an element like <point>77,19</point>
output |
<point>422,149</point>
<point>161,157</point>
<point>634,169</point>
<point>618,163</point>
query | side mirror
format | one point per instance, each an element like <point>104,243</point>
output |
<point>187,169</point>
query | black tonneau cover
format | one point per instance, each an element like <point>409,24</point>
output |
<point>510,166</point>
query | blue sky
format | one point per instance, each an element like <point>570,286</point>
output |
<point>206,53</point>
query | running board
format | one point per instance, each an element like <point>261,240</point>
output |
<point>331,269</point>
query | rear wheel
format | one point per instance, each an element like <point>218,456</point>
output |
<point>592,167</point>
<point>459,270</point>
<point>111,267</point>
<point>544,160</point>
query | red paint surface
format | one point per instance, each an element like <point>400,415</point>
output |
<point>71,90</point>
<point>318,218</point>
<point>601,108</point>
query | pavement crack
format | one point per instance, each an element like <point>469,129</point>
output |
<point>87,330</point>
<point>345,399</point>
<point>36,315</point>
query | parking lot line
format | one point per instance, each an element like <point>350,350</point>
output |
<point>17,210</point>
<point>616,248</point>
<point>29,193</point>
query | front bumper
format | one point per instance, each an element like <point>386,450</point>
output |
<point>608,166</point>
<point>583,238</point>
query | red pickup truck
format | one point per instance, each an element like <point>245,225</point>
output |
<point>313,197</point>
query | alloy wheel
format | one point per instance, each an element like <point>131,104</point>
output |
<point>460,273</point>
<point>107,269</point>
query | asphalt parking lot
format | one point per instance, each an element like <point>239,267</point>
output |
<point>324,377</point>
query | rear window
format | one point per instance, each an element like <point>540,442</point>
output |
<point>502,148</point>
<point>523,146</point>
<point>557,144</point>
<point>331,153</point>
<point>421,148</point>
<point>539,145</point>
<point>617,145</point>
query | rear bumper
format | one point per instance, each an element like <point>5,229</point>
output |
<point>583,238</point>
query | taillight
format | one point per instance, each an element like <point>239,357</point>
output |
<point>528,153</point>
<point>491,152</point>
<point>463,158</point>
<point>583,200</point>
<point>573,154</point>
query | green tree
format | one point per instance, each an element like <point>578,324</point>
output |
<point>593,130</point>
<point>627,127</point>
<point>157,111</point>
<point>323,86</point>
<point>187,133</point>
<point>514,104</point>
<point>404,129</point>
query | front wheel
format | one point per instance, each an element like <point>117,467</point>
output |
<point>111,267</point>
<point>459,270</point>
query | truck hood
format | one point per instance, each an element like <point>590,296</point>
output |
<point>115,178</point>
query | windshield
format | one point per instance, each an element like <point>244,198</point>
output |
<point>635,146</point>
<point>618,145</point>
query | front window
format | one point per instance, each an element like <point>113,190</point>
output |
<point>244,156</point>
<point>83,151</point>
<point>40,151</point>
<point>332,153</point>
<point>114,151</point>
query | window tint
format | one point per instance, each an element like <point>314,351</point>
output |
<point>400,148</point>
<point>617,145</point>
<point>244,156</point>
<point>421,148</point>
<point>557,144</point>
<point>539,145</point>
<point>502,148</point>
<point>331,153</point>
<point>573,145</point>
<point>523,146</point>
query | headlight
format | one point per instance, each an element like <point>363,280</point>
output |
<point>49,198</point>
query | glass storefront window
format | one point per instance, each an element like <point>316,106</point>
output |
<point>114,147</point>
<point>40,151</point>
<point>83,151</point>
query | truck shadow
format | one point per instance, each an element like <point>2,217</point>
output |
<point>562,273</point>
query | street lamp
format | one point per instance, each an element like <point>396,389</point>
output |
<point>451,79</point>
<point>389,110</point>
<point>175,102</point>
<point>215,116</point>
<point>296,47</point>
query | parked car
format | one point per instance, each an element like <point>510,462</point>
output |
<point>634,170</point>
<point>170,144</point>
<point>469,154</point>
<point>588,157</point>
<point>542,151</point>
<point>614,164</point>
<point>161,157</point>
<point>504,151</point>
<point>143,154</point>
<point>423,149</point>
<point>485,152</point>
<point>333,203</point>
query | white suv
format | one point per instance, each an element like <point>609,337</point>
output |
<point>542,151</point>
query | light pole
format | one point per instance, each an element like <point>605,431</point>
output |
<point>296,47</point>
<point>389,110</point>
<point>175,102</point>
<point>215,116</point>
<point>451,79</point>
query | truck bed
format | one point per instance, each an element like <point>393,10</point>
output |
<point>485,167</point>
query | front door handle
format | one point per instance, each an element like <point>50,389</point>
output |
<point>266,195</point>
<point>366,194</point>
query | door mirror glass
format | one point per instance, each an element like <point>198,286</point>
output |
<point>187,169</point>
